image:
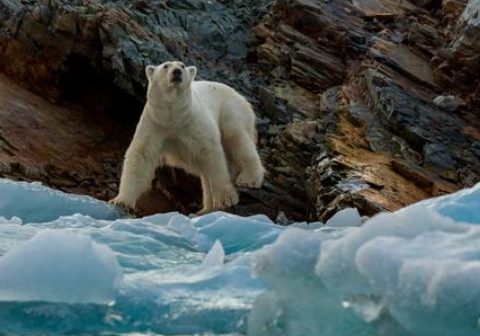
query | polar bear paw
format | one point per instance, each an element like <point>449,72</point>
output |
<point>202,212</point>
<point>250,179</point>
<point>227,198</point>
<point>118,202</point>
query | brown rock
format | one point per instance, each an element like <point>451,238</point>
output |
<point>384,8</point>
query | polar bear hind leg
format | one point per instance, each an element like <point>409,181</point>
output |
<point>246,158</point>
<point>239,141</point>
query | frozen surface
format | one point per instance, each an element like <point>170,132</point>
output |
<point>70,265</point>
<point>34,203</point>
<point>463,206</point>
<point>345,218</point>
<point>414,272</point>
<point>62,258</point>
<point>59,266</point>
<point>216,256</point>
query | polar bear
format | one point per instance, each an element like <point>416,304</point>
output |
<point>206,128</point>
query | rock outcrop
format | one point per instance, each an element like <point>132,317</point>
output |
<point>373,69</point>
<point>365,103</point>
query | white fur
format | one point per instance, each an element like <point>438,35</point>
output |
<point>206,128</point>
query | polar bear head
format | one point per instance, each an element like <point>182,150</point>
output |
<point>170,76</point>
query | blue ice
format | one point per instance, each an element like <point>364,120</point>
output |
<point>74,265</point>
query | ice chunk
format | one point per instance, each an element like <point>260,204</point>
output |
<point>307,226</point>
<point>413,272</point>
<point>462,206</point>
<point>32,202</point>
<point>299,304</point>
<point>12,221</point>
<point>165,289</point>
<point>59,266</point>
<point>238,234</point>
<point>185,227</point>
<point>210,218</point>
<point>216,256</point>
<point>345,218</point>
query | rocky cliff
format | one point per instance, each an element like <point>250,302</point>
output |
<point>366,103</point>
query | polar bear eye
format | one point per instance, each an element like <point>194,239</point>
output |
<point>165,66</point>
<point>183,66</point>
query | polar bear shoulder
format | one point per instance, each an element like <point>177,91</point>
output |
<point>225,104</point>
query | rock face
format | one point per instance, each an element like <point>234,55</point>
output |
<point>383,142</point>
<point>459,60</point>
<point>364,103</point>
<point>67,147</point>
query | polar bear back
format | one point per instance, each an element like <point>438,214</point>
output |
<point>228,108</point>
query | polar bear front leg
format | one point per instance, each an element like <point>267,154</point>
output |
<point>215,170</point>
<point>207,196</point>
<point>141,160</point>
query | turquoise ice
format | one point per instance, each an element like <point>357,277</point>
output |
<point>73,265</point>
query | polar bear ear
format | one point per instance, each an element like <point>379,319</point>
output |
<point>149,69</point>
<point>192,71</point>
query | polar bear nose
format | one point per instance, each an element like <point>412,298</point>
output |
<point>177,72</point>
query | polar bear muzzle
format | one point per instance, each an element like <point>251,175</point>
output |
<point>173,74</point>
<point>176,76</point>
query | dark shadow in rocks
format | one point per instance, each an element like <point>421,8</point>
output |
<point>82,84</point>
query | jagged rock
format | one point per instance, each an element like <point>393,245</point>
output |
<point>452,10</point>
<point>400,58</point>
<point>456,64</point>
<point>116,40</point>
<point>385,8</point>
<point>379,110</point>
<point>450,103</point>
<point>425,38</point>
